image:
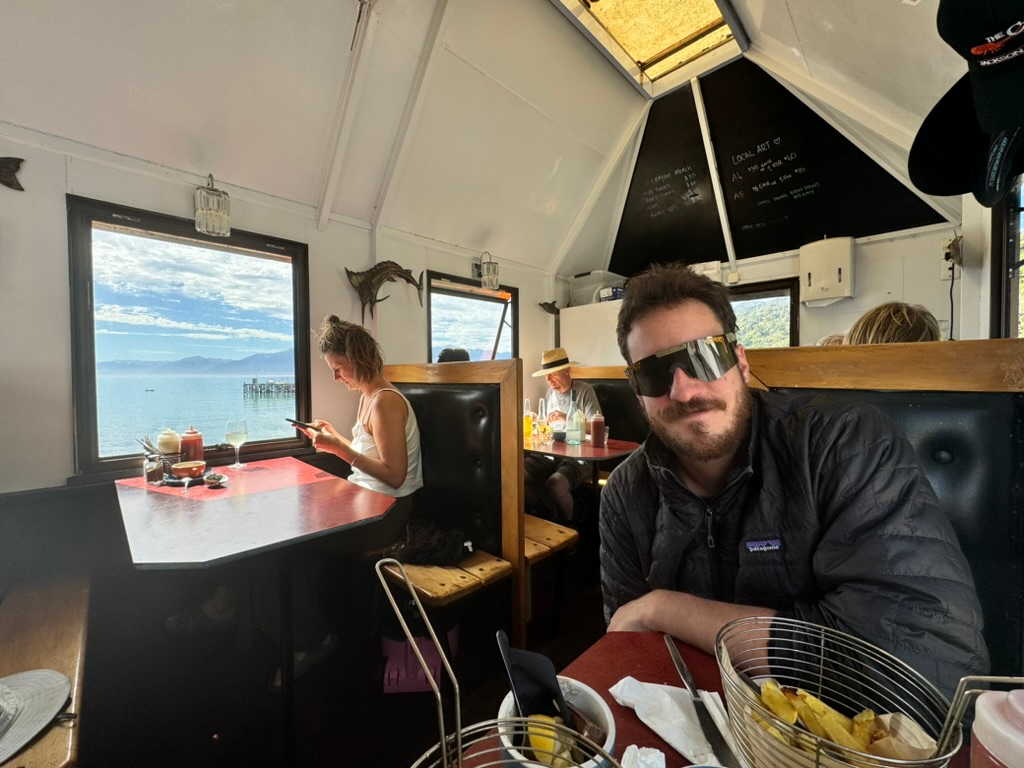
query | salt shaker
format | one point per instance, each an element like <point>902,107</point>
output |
<point>997,737</point>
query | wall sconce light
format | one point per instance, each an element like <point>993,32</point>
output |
<point>488,272</point>
<point>213,210</point>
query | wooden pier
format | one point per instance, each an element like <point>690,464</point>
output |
<point>269,388</point>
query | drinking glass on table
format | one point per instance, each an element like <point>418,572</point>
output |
<point>236,433</point>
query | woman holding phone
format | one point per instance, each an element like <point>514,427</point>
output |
<point>384,450</point>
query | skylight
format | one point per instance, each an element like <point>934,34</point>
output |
<point>650,39</point>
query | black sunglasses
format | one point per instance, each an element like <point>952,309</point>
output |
<point>704,359</point>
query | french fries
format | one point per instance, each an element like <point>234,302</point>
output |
<point>798,707</point>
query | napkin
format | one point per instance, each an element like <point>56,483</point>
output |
<point>642,757</point>
<point>668,711</point>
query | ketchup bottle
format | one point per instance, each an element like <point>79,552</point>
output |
<point>997,737</point>
<point>192,444</point>
<point>597,433</point>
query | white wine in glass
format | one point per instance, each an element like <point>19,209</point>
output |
<point>236,433</point>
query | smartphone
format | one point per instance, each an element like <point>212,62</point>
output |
<point>302,424</point>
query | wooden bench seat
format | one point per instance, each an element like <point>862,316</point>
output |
<point>438,585</point>
<point>544,538</point>
<point>43,625</point>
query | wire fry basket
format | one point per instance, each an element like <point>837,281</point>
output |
<point>478,745</point>
<point>843,671</point>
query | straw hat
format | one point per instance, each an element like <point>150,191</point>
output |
<point>553,360</point>
<point>28,702</point>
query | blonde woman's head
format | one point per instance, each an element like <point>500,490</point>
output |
<point>894,322</point>
<point>340,337</point>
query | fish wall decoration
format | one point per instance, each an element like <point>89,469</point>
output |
<point>369,282</point>
<point>8,169</point>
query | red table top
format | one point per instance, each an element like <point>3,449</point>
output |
<point>265,505</point>
<point>584,451</point>
<point>643,655</point>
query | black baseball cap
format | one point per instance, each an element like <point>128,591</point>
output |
<point>971,140</point>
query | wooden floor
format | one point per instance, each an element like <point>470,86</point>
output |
<point>156,700</point>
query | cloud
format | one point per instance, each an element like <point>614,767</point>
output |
<point>143,316</point>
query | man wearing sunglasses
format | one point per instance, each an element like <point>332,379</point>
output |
<point>748,503</point>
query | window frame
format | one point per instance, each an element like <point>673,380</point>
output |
<point>788,284</point>
<point>513,303</point>
<point>82,212</point>
<point>1004,317</point>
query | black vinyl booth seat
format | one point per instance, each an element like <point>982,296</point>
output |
<point>622,411</point>
<point>460,448</point>
<point>971,447</point>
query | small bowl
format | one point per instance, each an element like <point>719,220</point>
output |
<point>214,480</point>
<point>188,469</point>
<point>584,698</point>
<point>559,436</point>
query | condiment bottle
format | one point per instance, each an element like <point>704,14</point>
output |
<point>997,737</point>
<point>527,421</point>
<point>192,444</point>
<point>597,438</point>
<point>168,441</point>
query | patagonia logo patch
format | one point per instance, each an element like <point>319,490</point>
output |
<point>764,545</point>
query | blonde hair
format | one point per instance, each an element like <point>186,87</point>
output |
<point>832,340</point>
<point>894,322</point>
<point>340,337</point>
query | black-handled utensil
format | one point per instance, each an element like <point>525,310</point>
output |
<point>707,723</point>
<point>534,682</point>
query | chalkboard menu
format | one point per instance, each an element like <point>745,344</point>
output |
<point>788,177</point>
<point>670,212</point>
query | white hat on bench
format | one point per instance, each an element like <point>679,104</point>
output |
<point>28,703</point>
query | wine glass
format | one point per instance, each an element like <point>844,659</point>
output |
<point>236,433</point>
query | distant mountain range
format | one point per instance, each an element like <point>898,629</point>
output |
<point>269,365</point>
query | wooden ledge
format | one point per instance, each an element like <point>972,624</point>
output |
<point>43,626</point>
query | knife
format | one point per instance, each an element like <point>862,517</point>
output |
<point>707,723</point>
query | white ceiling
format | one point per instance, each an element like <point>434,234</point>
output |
<point>506,130</point>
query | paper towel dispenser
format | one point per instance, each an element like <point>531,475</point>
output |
<point>826,271</point>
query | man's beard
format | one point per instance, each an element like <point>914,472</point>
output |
<point>693,441</point>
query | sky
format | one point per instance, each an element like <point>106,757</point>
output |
<point>160,300</point>
<point>467,323</point>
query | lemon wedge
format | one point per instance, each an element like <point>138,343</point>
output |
<point>542,738</point>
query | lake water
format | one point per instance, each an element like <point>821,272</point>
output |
<point>132,406</point>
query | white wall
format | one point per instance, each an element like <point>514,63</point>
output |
<point>402,323</point>
<point>37,424</point>
<point>898,267</point>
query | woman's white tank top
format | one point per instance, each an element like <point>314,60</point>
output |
<point>362,441</point>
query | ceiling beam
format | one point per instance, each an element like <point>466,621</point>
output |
<point>413,105</point>
<point>362,41</point>
<point>631,135</point>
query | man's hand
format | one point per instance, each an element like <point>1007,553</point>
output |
<point>634,615</point>
<point>694,620</point>
<point>554,416</point>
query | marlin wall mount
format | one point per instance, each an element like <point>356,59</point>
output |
<point>369,282</point>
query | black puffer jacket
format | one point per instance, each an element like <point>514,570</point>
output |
<point>827,517</point>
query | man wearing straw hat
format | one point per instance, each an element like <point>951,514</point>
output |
<point>549,481</point>
<point>750,503</point>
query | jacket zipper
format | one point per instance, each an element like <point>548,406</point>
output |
<point>709,517</point>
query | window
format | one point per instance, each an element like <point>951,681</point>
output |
<point>648,39</point>
<point>462,314</point>
<point>171,328</point>
<point>1007,287</point>
<point>767,314</point>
